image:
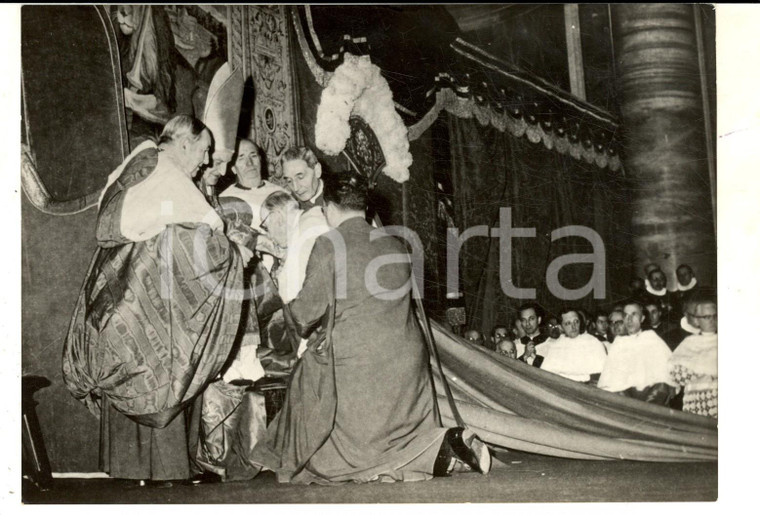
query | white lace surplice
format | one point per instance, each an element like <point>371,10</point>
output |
<point>638,361</point>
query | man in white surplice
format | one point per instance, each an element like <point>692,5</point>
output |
<point>250,186</point>
<point>574,355</point>
<point>638,361</point>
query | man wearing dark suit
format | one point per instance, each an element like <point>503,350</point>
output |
<point>360,405</point>
<point>601,327</point>
<point>531,323</point>
<point>685,286</point>
<point>530,357</point>
<point>656,321</point>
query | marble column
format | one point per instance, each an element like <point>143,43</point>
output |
<point>665,154</point>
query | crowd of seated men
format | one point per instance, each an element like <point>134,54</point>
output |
<point>657,345</point>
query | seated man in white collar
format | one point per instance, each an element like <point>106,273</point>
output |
<point>530,317</point>
<point>242,201</point>
<point>694,365</point>
<point>637,363</point>
<point>302,173</point>
<point>686,327</point>
<point>617,327</point>
<point>294,230</point>
<point>657,322</point>
<point>601,327</point>
<point>686,279</point>
<point>574,355</point>
<point>657,291</point>
<point>685,284</point>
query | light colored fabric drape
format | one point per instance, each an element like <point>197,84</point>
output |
<point>517,406</point>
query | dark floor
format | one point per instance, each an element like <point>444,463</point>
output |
<point>519,477</point>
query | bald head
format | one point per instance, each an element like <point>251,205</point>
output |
<point>507,348</point>
<point>474,336</point>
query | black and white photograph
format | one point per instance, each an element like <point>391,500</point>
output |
<point>428,254</point>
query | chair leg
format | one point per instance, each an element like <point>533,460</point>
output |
<point>34,455</point>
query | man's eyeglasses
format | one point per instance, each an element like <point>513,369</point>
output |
<point>706,317</point>
<point>264,221</point>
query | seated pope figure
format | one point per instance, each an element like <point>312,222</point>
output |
<point>242,201</point>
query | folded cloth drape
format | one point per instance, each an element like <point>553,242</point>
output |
<point>233,421</point>
<point>511,404</point>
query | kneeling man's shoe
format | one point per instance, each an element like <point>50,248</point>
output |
<point>470,449</point>
<point>462,447</point>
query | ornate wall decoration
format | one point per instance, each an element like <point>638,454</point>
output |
<point>238,56</point>
<point>259,42</point>
<point>358,88</point>
<point>461,79</point>
<point>191,38</point>
<point>268,46</point>
<point>267,70</point>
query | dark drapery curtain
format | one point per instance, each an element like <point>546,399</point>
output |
<point>461,175</point>
<point>479,169</point>
<point>545,190</point>
<point>387,199</point>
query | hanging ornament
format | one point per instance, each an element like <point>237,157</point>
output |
<point>357,88</point>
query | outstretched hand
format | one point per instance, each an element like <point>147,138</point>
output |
<point>265,244</point>
<point>245,253</point>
